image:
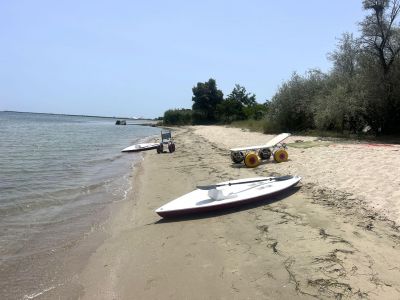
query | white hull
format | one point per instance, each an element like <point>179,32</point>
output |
<point>140,147</point>
<point>276,140</point>
<point>239,192</point>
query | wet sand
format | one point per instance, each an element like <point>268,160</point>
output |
<point>318,240</point>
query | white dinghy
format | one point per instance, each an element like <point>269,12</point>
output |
<point>141,147</point>
<point>226,194</point>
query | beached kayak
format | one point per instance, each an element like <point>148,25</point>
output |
<point>141,147</point>
<point>226,194</point>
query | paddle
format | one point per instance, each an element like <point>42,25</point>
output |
<point>214,186</point>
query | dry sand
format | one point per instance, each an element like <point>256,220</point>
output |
<point>368,171</point>
<point>331,237</point>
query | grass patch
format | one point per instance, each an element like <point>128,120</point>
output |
<point>252,125</point>
<point>334,134</point>
<point>309,144</point>
<point>263,126</point>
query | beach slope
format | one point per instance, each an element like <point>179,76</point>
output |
<point>318,240</point>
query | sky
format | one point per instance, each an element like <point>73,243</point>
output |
<point>139,58</point>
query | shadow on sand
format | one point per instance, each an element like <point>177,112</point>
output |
<point>262,162</point>
<point>211,214</point>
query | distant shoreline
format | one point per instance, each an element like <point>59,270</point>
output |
<point>71,115</point>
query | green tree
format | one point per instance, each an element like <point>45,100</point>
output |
<point>206,98</point>
<point>345,57</point>
<point>256,111</point>
<point>341,107</point>
<point>240,94</point>
<point>231,110</point>
<point>178,117</point>
<point>380,36</point>
<point>243,105</point>
<point>381,43</point>
<point>292,107</point>
<point>236,106</point>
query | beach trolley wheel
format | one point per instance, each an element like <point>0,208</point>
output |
<point>160,148</point>
<point>251,160</point>
<point>281,155</point>
<point>171,147</point>
<point>264,153</point>
<point>237,156</point>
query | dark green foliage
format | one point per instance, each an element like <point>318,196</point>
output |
<point>209,106</point>
<point>206,98</point>
<point>233,107</point>
<point>178,117</point>
<point>240,94</point>
<point>231,110</point>
<point>256,111</point>
<point>240,105</point>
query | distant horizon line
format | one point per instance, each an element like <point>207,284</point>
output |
<point>72,115</point>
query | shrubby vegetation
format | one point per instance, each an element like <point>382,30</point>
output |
<point>360,93</point>
<point>178,117</point>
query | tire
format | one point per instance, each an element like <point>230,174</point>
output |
<point>160,148</point>
<point>281,155</point>
<point>252,160</point>
<point>237,157</point>
<point>264,153</point>
<point>171,147</point>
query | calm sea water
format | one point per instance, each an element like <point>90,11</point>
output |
<point>56,173</point>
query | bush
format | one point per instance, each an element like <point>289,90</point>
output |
<point>339,110</point>
<point>178,117</point>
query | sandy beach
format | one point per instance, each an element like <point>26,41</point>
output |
<point>334,236</point>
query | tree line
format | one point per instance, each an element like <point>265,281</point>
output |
<point>360,93</point>
<point>210,106</point>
